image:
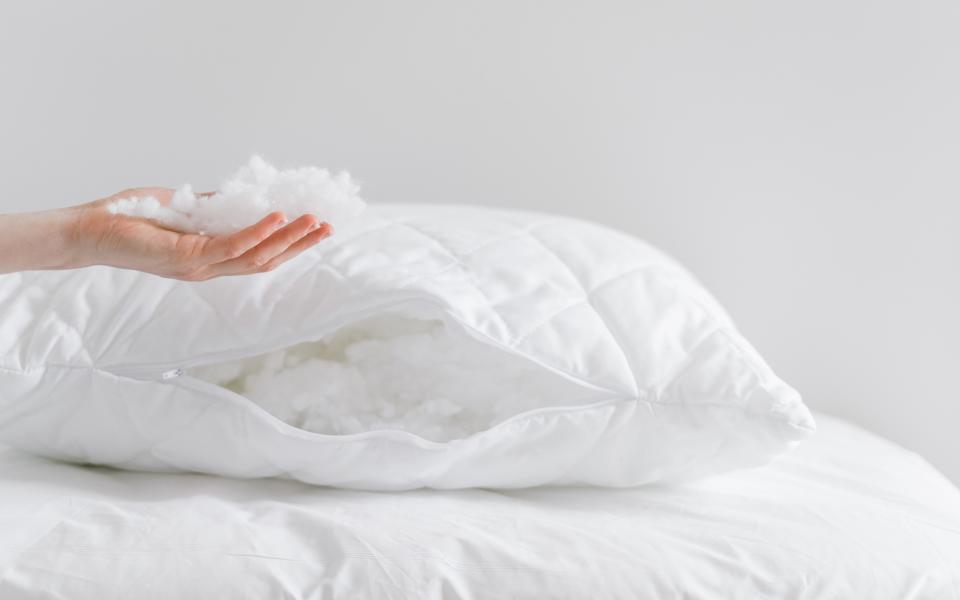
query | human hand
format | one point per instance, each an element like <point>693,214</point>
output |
<point>90,234</point>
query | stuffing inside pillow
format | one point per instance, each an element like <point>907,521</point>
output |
<point>251,193</point>
<point>393,372</point>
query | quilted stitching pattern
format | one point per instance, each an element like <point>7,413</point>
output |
<point>676,390</point>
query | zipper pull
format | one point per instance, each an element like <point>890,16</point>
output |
<point>171,374</point>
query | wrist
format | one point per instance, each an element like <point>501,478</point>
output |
<point>52,246</point>
<point>75,240</point>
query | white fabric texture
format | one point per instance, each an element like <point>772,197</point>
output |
<point>848,515</point>
<point>670,389</point>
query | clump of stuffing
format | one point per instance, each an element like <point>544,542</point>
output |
<point>394,373</point>
<point>255,190</point>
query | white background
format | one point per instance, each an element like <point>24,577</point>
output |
<point>800,157</point>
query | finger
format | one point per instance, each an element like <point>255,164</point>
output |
<point>226,247</point>
<point>255,258</point>
<point>307,241</point>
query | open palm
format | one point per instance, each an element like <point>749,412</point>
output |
<point>135,243</point>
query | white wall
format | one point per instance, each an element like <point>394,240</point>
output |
<point>801,157</point>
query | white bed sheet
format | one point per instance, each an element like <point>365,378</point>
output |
<point>848,515</point>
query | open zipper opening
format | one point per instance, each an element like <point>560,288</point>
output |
<point>563,391</point>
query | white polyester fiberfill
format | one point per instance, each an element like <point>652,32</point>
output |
<point>254,191</point>
<point>394,373</point>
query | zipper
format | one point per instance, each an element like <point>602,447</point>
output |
<point>171,374</point>
<point>146,372</point>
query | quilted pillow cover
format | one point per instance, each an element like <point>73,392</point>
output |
<point>94,364</point>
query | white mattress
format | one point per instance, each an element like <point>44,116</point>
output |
<point>848,515</point>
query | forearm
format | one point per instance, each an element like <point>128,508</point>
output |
<point>38,240</point>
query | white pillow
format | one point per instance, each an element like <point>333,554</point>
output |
<point>636,374</point>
